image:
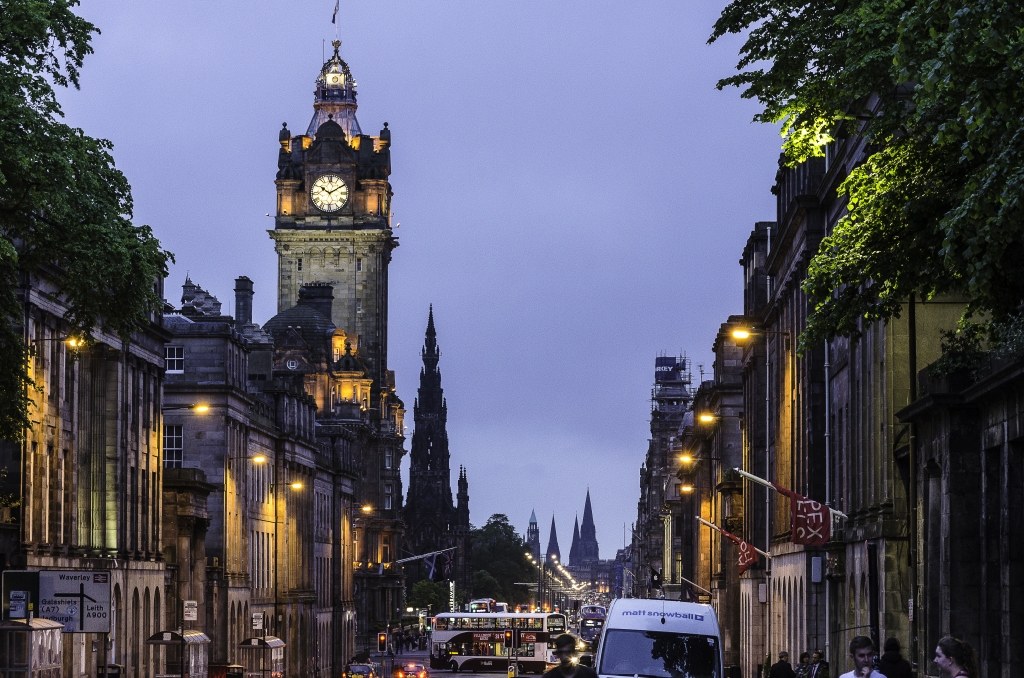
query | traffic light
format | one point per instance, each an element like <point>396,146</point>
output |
<point>382,642</point>
<point>509,637</point>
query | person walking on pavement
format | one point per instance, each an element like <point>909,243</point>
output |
<point>819,667</point>
<point>565,650</point>
<point>862,652</point>
<point>803,667</point>
<point>955,657</point>
<point>892,664</point>
<point>781,668</point>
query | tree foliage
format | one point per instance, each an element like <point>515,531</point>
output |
<point>499,560</point>
<point>934,87</point>
<point>428,594</point>
<point>65,210</point>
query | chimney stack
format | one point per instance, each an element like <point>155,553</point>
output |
<point>243,301</point>
<point>320,296</point>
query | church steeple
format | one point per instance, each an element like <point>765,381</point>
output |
<point>588,550</point>
<point>533,536</point>
<point>574,550</point>
<point>552,545</point>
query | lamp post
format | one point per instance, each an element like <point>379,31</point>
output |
<point>742,334</point>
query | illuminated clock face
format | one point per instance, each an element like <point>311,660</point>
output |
<point>329,193</point>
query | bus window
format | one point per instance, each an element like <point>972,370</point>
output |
<point>556,623</point>
<point>441,623</point>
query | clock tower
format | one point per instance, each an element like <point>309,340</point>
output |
<point>333,221</point>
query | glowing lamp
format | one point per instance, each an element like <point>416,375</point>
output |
<point>707,418</point>
<point>259,459</point>
<point>201,408</point>
<point>297,485</point>
<point>741,334</point>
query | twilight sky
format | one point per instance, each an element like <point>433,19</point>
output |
<point>573,194</point>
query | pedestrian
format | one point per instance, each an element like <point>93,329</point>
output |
<point>819,667</point>
<point>862,652</point>
<point>803,667</point>
<point>892,664</point>
<point>781,668</point>
<point>955,657</point>
<point>565,650</point>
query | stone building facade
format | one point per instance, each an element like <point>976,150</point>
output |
<point>655,546</point>
<point>333,237</point>
<point>255,506</point>
<point>970,480</point>
<point>82,490</point>
<point>711,448</point>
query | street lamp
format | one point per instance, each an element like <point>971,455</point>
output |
<point>200,408</point>
<point>259,459</point>
<point>741,334</point>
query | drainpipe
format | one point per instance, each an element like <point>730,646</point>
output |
<point>828,490</point>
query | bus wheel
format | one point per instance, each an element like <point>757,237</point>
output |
<point>454,666</point>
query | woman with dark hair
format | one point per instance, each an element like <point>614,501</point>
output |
<point>803,669</point>
<point>955,657</point>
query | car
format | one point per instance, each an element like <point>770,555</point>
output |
<point>409,670</point>
<point>359,671</point>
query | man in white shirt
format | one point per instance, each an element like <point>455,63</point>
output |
<point>862,651</point>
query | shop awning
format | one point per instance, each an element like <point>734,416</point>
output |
<point>175,638</point>
<point>265,641</point>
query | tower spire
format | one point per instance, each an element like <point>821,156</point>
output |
<point>552,553</point>
<point>588,550</point>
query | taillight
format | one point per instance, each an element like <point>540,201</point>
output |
<point>401,674</point>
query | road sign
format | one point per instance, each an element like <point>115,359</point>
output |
<point>78,599</point>
<point>257,621</point>
<point>191,611</point>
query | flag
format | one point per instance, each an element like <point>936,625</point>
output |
<point>747,554</point>
<point>431,562</point>
<point>449,562</point>
<point>334,16</point>
<point>811,521</point>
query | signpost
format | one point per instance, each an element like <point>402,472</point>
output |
<point>191,610</point>
<point>80,600</point>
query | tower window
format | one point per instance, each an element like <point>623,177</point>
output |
<point>299,264</point>
<point>387,496</point>
<point>173,446</point>
<point>174,359</point>
<point>359,305</point>
<point>389,458</point>
<point>359,264</point>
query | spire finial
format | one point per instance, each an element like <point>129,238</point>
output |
<point>336,44</point>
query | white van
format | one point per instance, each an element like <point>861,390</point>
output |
<point>648,638</point>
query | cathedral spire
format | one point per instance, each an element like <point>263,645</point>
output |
<point>588,550</point>
<point>574,550</point>
<point>552,553</point>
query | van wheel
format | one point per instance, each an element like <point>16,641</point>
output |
<point>454,666</point>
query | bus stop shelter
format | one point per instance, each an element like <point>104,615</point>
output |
<point>31,649</point>
<point>194,652</point>
<point>270,656</point>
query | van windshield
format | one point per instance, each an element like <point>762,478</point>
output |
<point>657,654</point>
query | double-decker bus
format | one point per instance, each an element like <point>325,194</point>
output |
<point>475,641</point>
<point>591,622</point>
